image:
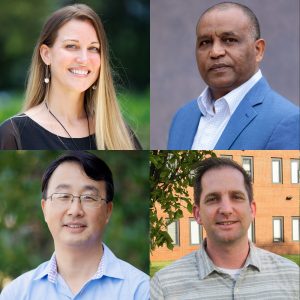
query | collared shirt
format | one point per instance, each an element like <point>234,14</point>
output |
<point>265,275</point>
<point>216,113</point>
<point>114,279</point>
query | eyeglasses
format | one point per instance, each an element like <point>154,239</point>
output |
<point>65,200</point>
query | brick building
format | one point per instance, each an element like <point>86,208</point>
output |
<point>275,176</point>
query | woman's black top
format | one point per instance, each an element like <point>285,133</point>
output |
<point>21,132</point>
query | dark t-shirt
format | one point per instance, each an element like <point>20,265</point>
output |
<point>21,132</point>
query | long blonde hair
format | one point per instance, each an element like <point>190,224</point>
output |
<point>110,129</point>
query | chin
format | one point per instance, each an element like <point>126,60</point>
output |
<point>80,89</point>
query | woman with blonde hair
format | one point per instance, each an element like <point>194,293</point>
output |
<point>70,99</point>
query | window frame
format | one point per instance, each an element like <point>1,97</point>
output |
<point>280,170</point>
<point>253,237</point>
<point>190,232</point>
<point>298,175</point>
<point>281,219</point>
<point>292,219</point>
<point>251,166</point>
<point>177,235</point>
<point>226,156</point>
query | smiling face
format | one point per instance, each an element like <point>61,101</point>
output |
<point>75,226</point>
<point>74,58</point>
<point>226,51</point>
<point>224,209</point>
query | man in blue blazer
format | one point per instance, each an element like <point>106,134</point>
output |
<point>238,109</point>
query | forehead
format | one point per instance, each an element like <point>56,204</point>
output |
<point>218,21</point>
<point>81,30</point>
<point>222,179</point>
<point>71,174</point>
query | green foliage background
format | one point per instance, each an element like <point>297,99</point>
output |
<point>171,173</point>
<point>126,23</point>
<point>25,241</point>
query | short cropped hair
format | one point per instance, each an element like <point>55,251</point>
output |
<point>213,163</point>
<point>94,167</point>
<point>255,28</point>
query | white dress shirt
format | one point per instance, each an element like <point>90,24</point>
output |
<point>216,113</point>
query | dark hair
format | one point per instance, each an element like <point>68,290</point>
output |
<point>255,28</point>
<point>218,163</point>
<point>94,167</point>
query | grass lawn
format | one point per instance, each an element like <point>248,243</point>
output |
<point>295,258</point>
<point>135,107</point>
<point>157,265</point>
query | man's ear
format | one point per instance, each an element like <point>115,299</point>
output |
<point>260,46</point>
<point>109,209</point>
<point>196,213</point>
<point>45,54</point>
<point>43,205</point>
<point>253,209</point>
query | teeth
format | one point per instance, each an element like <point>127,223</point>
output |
<point>74,226</point>
<point>79,72</point>
<point>226,223</point>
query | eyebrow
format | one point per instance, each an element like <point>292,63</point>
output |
<point>233,192</point>
<point>211,194</point>
<point>225,33</point>
<point>84,188</point>
<point>77,41</point>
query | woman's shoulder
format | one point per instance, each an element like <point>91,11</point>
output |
<point>12,122</point>
<point>10,132</point>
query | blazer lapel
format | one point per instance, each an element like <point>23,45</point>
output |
<point>189,134</point>
<point>243,115</point>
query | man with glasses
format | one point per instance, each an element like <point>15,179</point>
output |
<point>77,204</point>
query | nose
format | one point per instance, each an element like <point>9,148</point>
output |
<point>217,50</point>
<point>75,208</point>
<point>82,56</point>
<point>225,207</point>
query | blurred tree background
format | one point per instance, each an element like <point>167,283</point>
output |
<point>126,23</point>
<point>171,173</point>
<point>25,241</point>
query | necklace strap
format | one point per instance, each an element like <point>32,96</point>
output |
<point>75,145</point>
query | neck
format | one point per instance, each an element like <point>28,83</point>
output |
<point>67,106</point>
<point>77,266</point>
<point>228,255</point>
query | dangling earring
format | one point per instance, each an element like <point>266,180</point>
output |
<point>47,75</point>
<point>94,87</point>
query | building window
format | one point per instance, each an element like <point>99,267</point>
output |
<point>251,232</point>
<point>277,229</point>
<point>247,163</point>
<point>195,232</point>
<point>226,156</point>
<point>295,172</point>
<point>173,231</point>
<point>296,228</point>
<point>276,170</point>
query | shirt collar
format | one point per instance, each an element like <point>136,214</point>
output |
<point>207,267</point>
<point>206,102</point>
<point>109,266</point>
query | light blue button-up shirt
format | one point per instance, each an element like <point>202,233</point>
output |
<point>114,279</point>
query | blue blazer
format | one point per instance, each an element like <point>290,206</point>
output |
<point>263,120</point>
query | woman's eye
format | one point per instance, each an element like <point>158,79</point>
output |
<point>95,49</point>
<point>71,46</point>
